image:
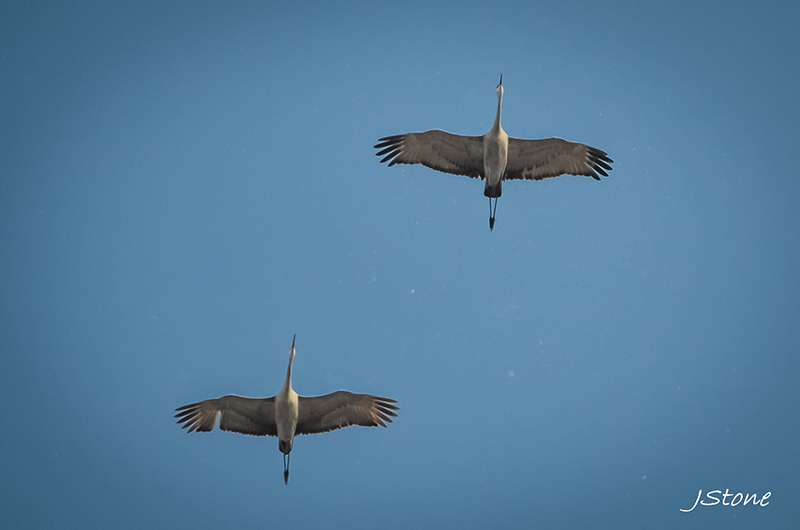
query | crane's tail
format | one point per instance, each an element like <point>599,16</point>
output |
<point>494,191</point>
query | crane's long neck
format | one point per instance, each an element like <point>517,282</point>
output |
<point>288,384</point>
<point>497,127</point>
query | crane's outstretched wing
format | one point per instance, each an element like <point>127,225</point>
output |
<point>341,409</point>
<point>236,414</point>
<point>439,150</point>
<point>551,157</point>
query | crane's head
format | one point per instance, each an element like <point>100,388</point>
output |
<point>500,86</point>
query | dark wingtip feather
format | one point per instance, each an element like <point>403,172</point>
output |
<point>385,410</point>
<point>185,412</point>
<point>188,418</point>
<point>390,146</point>
<point>600,162</point>
<point>392,150</point>
<point>387,141</point>
<point>599,156</point>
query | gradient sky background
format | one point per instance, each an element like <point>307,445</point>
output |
<point>186,186</point>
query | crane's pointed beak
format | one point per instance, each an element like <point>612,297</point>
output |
<point>293,338</point>
<point>501,80</point>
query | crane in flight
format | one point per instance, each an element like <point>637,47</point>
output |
<point>287,414</point>
<point>495,156</point>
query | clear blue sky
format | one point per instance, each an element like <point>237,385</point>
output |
<point>186,186</point>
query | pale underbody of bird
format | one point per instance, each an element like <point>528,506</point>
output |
<point>287,414</point>
<point>494,156</point>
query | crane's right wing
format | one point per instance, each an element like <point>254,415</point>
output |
<point>439,150</point>
<point>235,413</point>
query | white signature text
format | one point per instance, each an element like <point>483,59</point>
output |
<point>729,499</point>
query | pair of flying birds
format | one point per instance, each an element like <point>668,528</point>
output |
<point>493,157</point>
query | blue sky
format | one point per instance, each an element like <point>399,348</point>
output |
<point>185,187</point>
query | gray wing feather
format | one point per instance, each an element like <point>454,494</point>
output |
<point>254,416</point>
<point>551,157</point>
<point>439,150</point>
<point>341,409</point>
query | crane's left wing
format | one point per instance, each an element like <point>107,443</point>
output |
<point>551,157</point>
<point>439,150</point>
<point>341,409</point>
